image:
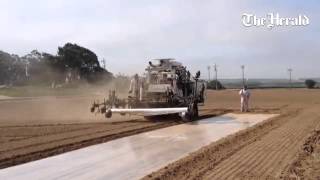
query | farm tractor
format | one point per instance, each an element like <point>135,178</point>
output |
<point>167,87</point>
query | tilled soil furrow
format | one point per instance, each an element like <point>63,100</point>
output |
<point>257,159</point>
<point>25,137</point>
<point>249,162</point>
<point>261,160</point>
<point>290,144</point>
<point>306,164</point>
<point>289,157</point>
<point>252,157</point>
<point>40,140</point>
<point>234,163</point>
<point>275,155</point>
<point>276,146</point>
<point>63,139</point>
<point>246,159</point>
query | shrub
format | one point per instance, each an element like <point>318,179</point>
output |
<point>212,85</point>
<point>310,83</point>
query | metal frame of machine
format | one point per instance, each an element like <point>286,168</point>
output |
<point>166,88</point>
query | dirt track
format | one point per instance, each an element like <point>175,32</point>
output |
<point>266,150</point>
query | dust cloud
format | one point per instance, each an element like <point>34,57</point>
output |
<point>65,105</point>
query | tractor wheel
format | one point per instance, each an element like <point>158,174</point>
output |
<point>196,111</point>
<point>108,114</point>
<point>192,113</point>
<point>150,118</point>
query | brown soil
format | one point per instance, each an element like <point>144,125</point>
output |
<point>36,128</point>
<point>307,163</point>
<point>264,151</point>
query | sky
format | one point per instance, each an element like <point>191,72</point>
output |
<point>127,34</point>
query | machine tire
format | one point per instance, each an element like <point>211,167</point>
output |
<point>196,111</point>
<point>150,118</point>
<point>108,114</point>
<point>192,113</point>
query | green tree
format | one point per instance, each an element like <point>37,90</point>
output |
<point>37,67</point>
<point>4,67</point>
<point>82,60</point>
<point>11,68</point>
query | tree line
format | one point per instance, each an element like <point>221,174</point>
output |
<point>71,63</point>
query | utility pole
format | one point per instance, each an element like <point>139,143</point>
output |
<point>290,76</point>
<point>27,70</point>
<point>209,72</point>
<point>243,67</point>
<point>104,63</point>
<point>216,72</point>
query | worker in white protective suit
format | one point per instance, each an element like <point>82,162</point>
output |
<point>245,96</point>
<point>136,87</point>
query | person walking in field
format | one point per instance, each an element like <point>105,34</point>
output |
<point>136,87</point>
<point>245,96</point>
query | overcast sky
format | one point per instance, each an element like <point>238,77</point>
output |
<point>128,33</point>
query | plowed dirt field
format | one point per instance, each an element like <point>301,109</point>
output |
<point>34,128</point>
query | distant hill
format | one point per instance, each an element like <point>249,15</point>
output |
<point>315,79</point>
<point>262,83</point>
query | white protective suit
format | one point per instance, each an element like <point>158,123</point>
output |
<point>136,87</point>
<point>245,96</point>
